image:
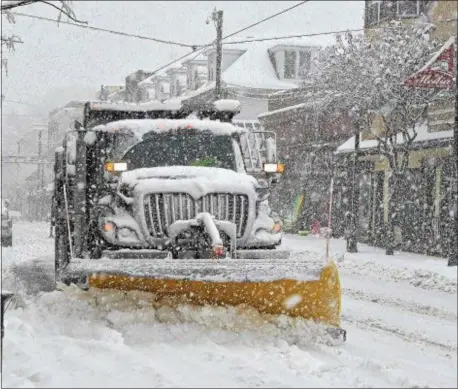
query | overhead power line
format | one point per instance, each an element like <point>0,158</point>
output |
<point>266,19</point>
<point>234,33</point>
<point>23,115</point>
<point>121,33</point>
<point>301,35</point>
<point>177,60</point>
<point>17,102</point>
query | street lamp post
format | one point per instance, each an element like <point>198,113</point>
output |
<point>352,239</point>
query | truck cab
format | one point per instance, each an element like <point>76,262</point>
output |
<point>172,183</point>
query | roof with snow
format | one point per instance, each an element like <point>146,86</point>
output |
<point>254,68</point>
<point>422,136</point>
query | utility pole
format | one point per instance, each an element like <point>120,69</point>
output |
<point>217,17</point>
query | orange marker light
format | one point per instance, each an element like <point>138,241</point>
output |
<point>109,166</point>
<point>115,166</point>
<point>109,227</point>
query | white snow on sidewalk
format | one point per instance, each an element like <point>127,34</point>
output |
<point>418,270</point>
<point>401,333</point>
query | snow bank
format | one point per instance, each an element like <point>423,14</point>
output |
<point>77,339</point>
<point>418,270</point>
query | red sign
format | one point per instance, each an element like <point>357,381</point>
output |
<point>438,72</point>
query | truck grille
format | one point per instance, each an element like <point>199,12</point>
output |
<point>163,209</point>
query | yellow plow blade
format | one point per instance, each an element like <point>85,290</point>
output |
<point>318,299</point>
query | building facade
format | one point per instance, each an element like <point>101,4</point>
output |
<point>421,206</point>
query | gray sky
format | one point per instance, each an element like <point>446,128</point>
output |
<point>58,63</point>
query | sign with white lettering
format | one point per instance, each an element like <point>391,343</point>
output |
<point>438,72</point>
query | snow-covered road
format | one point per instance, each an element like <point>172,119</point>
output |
<point>400,314</point>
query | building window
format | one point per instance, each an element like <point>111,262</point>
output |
<point>387,10</point>
<point>372,12</point>
<point>290,64</point>
<point>305,59</point>
<point>408,8</point>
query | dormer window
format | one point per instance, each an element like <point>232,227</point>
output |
<point>305,60</point>
<point>290,64</point>
<point>297,64</point>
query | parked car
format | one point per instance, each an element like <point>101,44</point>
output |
<point>7,225</point>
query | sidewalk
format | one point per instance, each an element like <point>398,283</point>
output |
<point>369,254</point>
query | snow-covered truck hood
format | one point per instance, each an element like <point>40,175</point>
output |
<point>194,180</point>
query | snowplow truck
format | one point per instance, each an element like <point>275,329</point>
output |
<point>172,201</point>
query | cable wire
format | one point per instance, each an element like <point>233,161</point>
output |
<point>18,102</point>
<point>302,35</point>
<point>109,31</point>
<point>234,33</point>
<point>266,19</point>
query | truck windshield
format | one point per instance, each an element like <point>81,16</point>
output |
<point>204,149</point>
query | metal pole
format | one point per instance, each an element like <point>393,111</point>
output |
<point>219,52</point>
<point>328,236</point>
<point>40,166</point>
<point>18,165</point>
<point>352,241</point>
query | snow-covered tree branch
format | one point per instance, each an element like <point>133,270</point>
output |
<point>7,7</point>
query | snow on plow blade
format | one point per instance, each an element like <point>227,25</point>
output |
<point>294,288</point>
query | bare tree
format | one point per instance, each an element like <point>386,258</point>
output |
<point>7,9</point>
<point>366,77</point>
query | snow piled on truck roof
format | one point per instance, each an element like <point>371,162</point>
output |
<point>141,127</point>
<point>169,105</point>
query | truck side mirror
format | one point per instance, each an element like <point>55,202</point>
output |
<point>271,150</point>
